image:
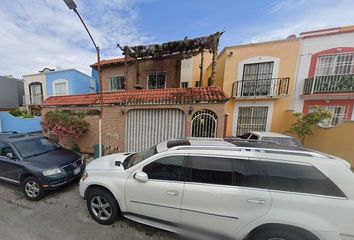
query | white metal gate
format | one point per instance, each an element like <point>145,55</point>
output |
<point>147,127</point>
<point>204,123</point>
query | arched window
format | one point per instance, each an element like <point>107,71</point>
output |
<point>204,123</point>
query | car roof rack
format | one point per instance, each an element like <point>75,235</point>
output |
<point>303,153</point>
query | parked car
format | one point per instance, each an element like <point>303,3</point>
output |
<point>272,137</point>
<point>230,188</point>
<point>37,164</point>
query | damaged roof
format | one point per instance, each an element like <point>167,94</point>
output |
<point>143,97</point>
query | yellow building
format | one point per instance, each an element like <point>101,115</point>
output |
<point>260,80</point>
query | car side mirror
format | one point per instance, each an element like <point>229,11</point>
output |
<point>141,177</point>
<point>10,155</point>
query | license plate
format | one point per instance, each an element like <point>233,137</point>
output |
<point>77,171</point>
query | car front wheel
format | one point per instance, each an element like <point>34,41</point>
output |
<point>32,189</point>
<point>102,206</point>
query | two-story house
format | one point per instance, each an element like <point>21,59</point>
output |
<point>326,73</point>
<point>167,72</point>
<point>260,79</point>
<point>49,82</point>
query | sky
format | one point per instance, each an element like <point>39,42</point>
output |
<point>35,34</point>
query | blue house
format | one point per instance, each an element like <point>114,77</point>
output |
<point>69,82</point>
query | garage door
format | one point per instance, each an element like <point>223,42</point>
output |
<point>147,127</point>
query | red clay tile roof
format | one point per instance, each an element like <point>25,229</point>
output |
<point>142,97</point>
<point>113,61</point>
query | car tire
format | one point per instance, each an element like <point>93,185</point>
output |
<point>32,189</point>
<point>279,235</point>
<point>102,206</point>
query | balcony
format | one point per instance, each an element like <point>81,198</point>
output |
<point>329,84</point>
<point>262,88</point>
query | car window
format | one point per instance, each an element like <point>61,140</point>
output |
<point>247,173</point>
<point>210,170</point>
<point>245,135</point>
<point>136,158</point>
<point>300,178</point>
<point>167,168</point>
<point>284,141</point>
<point>35,146</point>
<point>253,137</point>
<point>5,148</point>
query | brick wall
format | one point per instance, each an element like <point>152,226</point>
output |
<point>114,120</point>
<point>171,66</point>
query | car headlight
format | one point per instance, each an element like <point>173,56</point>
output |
<point>51,172</point>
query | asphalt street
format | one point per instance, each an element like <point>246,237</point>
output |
<point>62,214</point>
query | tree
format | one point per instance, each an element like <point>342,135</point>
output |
<point>304,122</point>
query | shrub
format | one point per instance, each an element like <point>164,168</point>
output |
<point>65,123</point>
<point>305,122</point>
<point>19,113</point>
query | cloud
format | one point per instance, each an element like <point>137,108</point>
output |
<point>45,33</point>
<point>294,17</point>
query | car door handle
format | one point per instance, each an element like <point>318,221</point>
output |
<point>172,193</point>
<point>256,200</point>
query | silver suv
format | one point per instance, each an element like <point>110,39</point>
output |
<point>225,188</point>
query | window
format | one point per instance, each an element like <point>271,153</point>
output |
<point>184,84</point>
<point>257,79</point>
<point>253,137</point>
<point>35,146</point>
<point>338,114</point>
<point>156,80</point>
<point>136,158</point>
<point>300,178</point>
<point>167,168</point>
<point>117,83</point>
<point>283,141</point>
<point>247,174</point>
<point>60,88</point>
<point>197,84</point>
<point>336,64</point>
<point>211,170</point>
<point>5,149</point>
<point>252,119</point>
<point>35,93</point>
<point>258,71</point>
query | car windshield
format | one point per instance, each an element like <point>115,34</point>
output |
<point>135,158</point>
<point>283,141</point>
<point>35,146</point>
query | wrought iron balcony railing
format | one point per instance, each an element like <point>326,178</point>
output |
<point>329,84</point>
<point>272,87</point>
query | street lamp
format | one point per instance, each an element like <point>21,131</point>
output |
<point>72,6</point>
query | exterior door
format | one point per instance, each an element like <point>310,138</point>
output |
<point>147,127</point>
<point>212,201</point>
<point>160,197</point>
<point>10,170</point>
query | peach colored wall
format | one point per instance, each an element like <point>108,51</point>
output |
<point>336,141</point>
<point>227,72</point>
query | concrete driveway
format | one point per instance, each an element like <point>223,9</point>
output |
<point>62,214</point>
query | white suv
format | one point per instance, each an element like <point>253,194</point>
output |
<point>231,188</point>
